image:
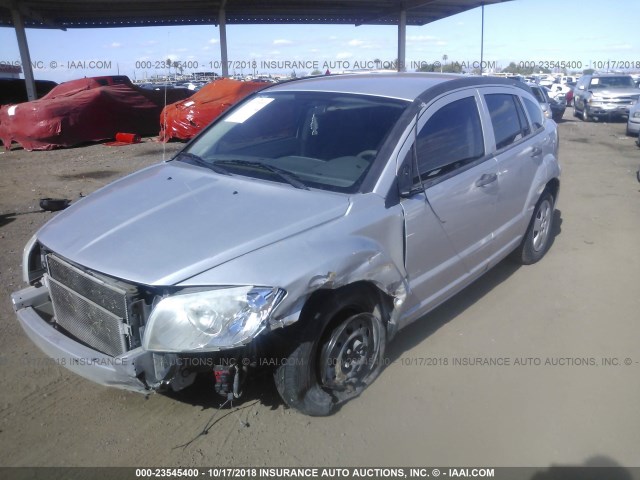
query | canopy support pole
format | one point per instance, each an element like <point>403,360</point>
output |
<point>222,24</point>
<point>402,40</point>
<point>25,58</point>
<point>482,42</point>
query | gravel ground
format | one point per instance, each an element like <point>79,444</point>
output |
<point>579,303</point>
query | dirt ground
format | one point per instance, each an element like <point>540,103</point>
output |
<point>571,312</point>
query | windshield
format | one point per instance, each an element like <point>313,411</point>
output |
<point>307,139</point>
<point>611,82</point>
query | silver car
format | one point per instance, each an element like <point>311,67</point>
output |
<point>542,98</point>
<point>298,233</point>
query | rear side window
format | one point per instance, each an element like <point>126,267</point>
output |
<point>450,139</point>
<point>507,117</point>
<point>535,113</point>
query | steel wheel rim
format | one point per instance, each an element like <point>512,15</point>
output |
<point>541,225</point>
<point>350,354</point>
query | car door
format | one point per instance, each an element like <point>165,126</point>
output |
<point>518,147</point>
<point>450,206</point>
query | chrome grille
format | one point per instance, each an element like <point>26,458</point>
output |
<point>88,308</point>
<point>621,100</point>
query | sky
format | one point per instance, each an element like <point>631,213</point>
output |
<point>581,33</point>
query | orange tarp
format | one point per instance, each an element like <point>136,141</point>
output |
<point>184,119</point>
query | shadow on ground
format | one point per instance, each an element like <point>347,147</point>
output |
<point>260,387</point>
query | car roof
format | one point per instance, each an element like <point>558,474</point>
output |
<point>403,86</point>
<point>608,75</point>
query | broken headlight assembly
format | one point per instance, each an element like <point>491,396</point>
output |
<point>210,320</point>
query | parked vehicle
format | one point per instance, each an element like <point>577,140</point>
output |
<point>633,122</point>
<point>543,99</point>
<point>14,90</point>
<point>566,79</point>
<point>184,119</point>
<point>604,95</point>
<point>301,230</point>
<point>558,107</point>
<point>558,91</point>
<point>557,103</point>
<point>85,110</point>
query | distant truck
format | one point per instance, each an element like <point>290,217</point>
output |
<point>604,95</point>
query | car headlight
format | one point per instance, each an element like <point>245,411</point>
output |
<point>636,114</point>
<point>593,100</point>
<point>32,262</point>
<point>210,320</point>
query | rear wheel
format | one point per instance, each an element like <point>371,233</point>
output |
<point>338,353</point>
<point>537,239</point>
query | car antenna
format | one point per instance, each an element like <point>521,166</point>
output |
<point>415,163</point>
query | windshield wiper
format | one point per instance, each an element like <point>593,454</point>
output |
<point>287,176</point>
<point>197,160</point>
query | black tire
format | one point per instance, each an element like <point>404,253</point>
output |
<point>304,380</point>
<point>585,114</point>
<point>537,238</point>
<point>575,111</point>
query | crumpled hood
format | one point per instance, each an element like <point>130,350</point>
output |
<point>172,221</point>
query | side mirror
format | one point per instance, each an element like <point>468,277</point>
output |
<point>405,181</point>
<point>580,87</point>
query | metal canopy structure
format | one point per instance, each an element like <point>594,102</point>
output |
<point>64,14</point>
<point>138,13</point>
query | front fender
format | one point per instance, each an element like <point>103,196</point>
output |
<point>366,244</point>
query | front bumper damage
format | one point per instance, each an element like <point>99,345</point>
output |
<point>124,371</point>
<point>136,370</point>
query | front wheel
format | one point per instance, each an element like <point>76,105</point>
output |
<point>339,354</point>
<point>537,239</point>
<point>575,110</point>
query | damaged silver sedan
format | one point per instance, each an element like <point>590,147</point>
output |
<point>301,230</point>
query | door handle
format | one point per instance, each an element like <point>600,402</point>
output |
<point>535,151</point>
<point>486,179</point>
